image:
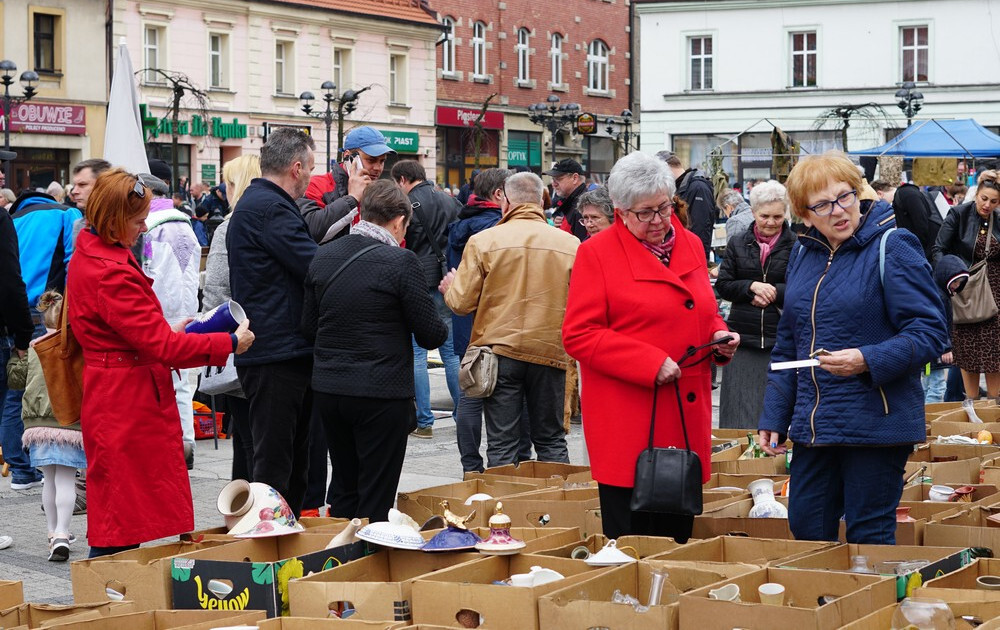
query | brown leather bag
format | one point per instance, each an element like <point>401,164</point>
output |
<point>975,303</point>
<point>62,365</point>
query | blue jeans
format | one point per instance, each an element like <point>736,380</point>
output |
<point>934,386</point>
<point>421,381</point>
<point>862,484</point>
<point>11,425</point>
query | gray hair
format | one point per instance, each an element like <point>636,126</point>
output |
<point>598,198</point>
<point>56,190</point>
<point>730,197</point>
<point>638,176</point>
<point>768,192</point>
<point>285,146</point>
<point>524,188</point>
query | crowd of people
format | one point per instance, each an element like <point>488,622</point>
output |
<point>599,304</point>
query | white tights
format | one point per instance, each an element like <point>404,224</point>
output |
<point>59,498</point>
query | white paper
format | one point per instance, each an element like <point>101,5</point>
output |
<point>791,365</point>
<point>942,205</point>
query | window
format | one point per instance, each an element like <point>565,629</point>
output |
<point>218,56</point>
<point>804,59</point>
<point>555,52</point>
<point>342,67</point>
<point>397,79</point>
<point>153,53</point>
<point>45,42</point>
<point>523,55</point>
<point>915,51</point>
<point>284,65</point>
<point>701,63</point>
<point>448,47</point>
<point>597,66</point>
<point>479,50</point>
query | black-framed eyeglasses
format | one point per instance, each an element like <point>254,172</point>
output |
<point>139,190</point>
<point>597,219</point>
<point>845,201</point>
<point>645,215</point>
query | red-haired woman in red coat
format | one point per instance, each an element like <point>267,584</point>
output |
<point>640,297</point>
<point>137,482</point>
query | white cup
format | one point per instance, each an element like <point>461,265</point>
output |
<point>771,594</point>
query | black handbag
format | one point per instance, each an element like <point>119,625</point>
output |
<point>668,480</point>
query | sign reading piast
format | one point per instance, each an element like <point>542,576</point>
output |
<point>402,141</point>
<point>586,124</point>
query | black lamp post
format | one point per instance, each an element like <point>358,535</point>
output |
<point>28,79</point>
<point>553,116</point>
<point>346,103</point>
<point>624,134</point>
<point>909,100</point>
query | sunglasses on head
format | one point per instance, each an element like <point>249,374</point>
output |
<point>139,190</point>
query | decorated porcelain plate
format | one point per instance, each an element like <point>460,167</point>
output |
<point>494,549</point>
<point>389,535</point>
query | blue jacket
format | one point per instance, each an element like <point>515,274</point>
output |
<point>476,216</point>
<point>45,239</point>
<point>269,254</point>
<point>836,300</point>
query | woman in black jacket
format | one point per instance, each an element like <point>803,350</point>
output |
<point>364,296</point>
<point>752,277</point>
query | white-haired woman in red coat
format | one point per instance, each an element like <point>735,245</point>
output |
<point>639,298</point>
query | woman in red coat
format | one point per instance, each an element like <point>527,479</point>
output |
<point>639,297</point>
<point>137,482</point>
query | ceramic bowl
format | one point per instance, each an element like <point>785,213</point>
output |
<point>940,494</point>
<point>609,556</point>
<point>452,539</point>
<point>988,582</point>
<point>390,535</point>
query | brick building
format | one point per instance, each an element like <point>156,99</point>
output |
<point>524,51</point>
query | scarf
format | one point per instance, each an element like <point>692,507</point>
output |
<point>766,244</point>
<point>377,232</point>
<point>662,251</point>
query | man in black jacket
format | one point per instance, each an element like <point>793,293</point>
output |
<point>427,237</point>
<point>568,182</point>
<point>269,254</point>
<point>694,187</point>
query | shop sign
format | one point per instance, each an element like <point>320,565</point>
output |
<point>402,141</point>
<point>208,174</point>
<point>466,117</point>
<point>197,127</point>
<point>270,126</point>
<point>586,124</point>
<point>68,120</point>
<point>523,152</point>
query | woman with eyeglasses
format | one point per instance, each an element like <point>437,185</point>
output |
<point>137,481</point>
<point>639,298</point>
<point>968,231</point>
<point>859,299</point>
<point>752,278</point>
<point>597,213</point>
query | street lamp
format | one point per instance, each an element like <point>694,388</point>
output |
<point>624,135</point>
<point>28,79</point>
<point>346,103</point>
<point>553,116</point>
<point>909,100</point>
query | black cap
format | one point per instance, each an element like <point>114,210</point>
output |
<point>566,166</point>
<point>161,169</point>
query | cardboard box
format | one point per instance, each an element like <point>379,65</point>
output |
<point>302,623</point>
<point>983,494</point>
<point>964,582</point>
<point>313,524</point>
<point>957,422</point>
<point>645,546</point>
<point>553,507</point>
<point>734,518</point>
<point>377,587</point>
<point>942,560</point>
<point>423,504</point>
<point>469,589</point>
<point>39,615</point>
<point>169,620</point>
<point>729,480</point>
<point>756,551</point>
<point>142,575</point>
<point>254,572</point>
<point>728,462</point>
<point>11,594</point>
<point>962,471</point>
<point>882,618</point>
<point>934,452</point>
<point>964,529</point>
<point>990,471</point>
<point>588,604</point>
<point>857,595</point>
<point>553,471</point>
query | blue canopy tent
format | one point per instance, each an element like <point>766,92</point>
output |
<point>963,138</point>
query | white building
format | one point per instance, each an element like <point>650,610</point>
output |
<point>712,69</point>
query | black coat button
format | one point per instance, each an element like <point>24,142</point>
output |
<point>691,397</point>
<point>689,304</point>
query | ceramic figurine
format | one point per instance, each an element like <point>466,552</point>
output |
<point>764,503</point>
<point>500,542</point>
<point>454,520</point>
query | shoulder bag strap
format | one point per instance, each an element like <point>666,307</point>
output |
<point>64,326</point>
<point>680,408</point>
<point>881,253</point>
<point>340,269</point>
<point>419,211</point>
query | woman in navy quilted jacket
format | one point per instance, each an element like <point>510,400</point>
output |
<point>860,299</point>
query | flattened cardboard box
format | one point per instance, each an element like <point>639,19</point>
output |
<point>254,573</point>
<point>856,596</point>
<point>302,623</point>
<point>469,589</point>
<point>141,575</point>
<point>168,620</point>
<point>377,587</point>
<point>423,504</point>
<point>644,546</point>
<point>757,551</point>
<point>39,615</point>
<point>962,583</point>
<point>11,594</point>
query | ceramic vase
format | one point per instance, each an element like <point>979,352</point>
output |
<point>903,515</point>
<point>764,503</point>
<point>346,536</point>
<point>244,504</point>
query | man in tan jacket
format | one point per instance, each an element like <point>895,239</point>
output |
<point>515,277</point>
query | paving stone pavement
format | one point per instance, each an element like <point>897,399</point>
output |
<point>428,463</point>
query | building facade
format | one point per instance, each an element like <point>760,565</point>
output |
<point>722,72</point>
<point>65,43</point>
<point>252,60</point>
<point>521,53</point>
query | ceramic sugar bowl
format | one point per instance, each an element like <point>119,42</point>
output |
<point>500,542</point>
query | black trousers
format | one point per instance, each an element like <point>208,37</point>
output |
<point>239,430</point>
<point>280,398</point>
<point>618,520</point>
<point>367,437</point>
<point>318,493</point>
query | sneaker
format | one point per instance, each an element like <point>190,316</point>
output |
<point>968,405</point>
<point>28,485</point>
<point>424,433</point>
<point>70,540</point>
<point>59,551</point>
<point>80,507</point>
<point>6,541</point>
